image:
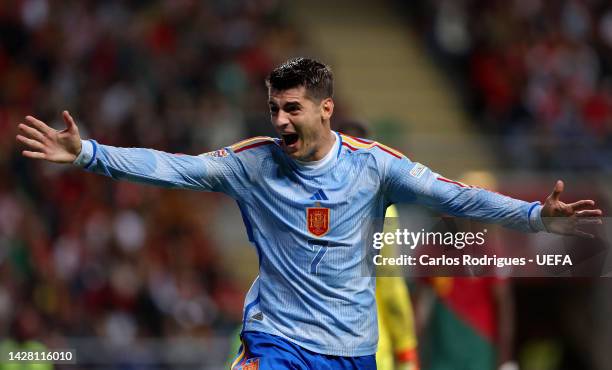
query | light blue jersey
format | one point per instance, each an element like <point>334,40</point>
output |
<point>306,222</point>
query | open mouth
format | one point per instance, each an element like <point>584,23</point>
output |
<point>290,139</point>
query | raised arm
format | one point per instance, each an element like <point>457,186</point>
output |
<point>146,166</point>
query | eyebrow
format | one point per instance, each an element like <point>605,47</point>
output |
<point>287,105</point>
<point>292,104</point>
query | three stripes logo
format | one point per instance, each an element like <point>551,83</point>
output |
<point>319,195</point>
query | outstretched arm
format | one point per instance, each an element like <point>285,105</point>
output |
<point>134,164</point>
<point>413,182</point>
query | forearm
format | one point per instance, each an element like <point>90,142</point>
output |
<point>145,166</point>
<point>464,201</point>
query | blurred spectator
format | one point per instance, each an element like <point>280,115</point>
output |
<point>537,72</point>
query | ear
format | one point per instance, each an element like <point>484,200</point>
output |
<point>327,108</point>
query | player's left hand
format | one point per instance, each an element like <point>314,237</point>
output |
<point>563,218</point>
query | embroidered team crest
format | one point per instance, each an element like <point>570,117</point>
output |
<point>317,219</point>
<point>217,153</point>
<point>250,364</point>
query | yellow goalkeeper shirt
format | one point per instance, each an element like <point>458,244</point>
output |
<point>397,339</point>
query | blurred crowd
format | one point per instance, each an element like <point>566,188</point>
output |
<point>83,256</point>
<point>536,72</point>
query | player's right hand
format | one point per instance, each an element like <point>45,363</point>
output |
<point>44,142</point>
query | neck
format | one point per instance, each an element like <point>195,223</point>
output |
<point>327,142</point>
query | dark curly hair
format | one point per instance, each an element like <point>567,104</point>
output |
<point>315,76</point>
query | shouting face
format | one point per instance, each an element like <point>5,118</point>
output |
<point>302,122</point>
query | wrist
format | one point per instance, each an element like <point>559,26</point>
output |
<point>535,217</point>
<point>87,154</point>
<point>79,149</point>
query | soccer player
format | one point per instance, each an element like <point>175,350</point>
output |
<point>305,198</point>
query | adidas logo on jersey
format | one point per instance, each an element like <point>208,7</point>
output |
<point>319,195</point>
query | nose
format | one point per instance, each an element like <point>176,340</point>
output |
<point>281,120</point>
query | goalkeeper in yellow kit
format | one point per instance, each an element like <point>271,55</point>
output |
<point>397,343</point>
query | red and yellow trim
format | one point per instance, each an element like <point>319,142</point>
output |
<point>460,184</point>
<point>464,185</point>
<point>354,143</point>
<point>251,143</point>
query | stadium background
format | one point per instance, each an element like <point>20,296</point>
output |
<point>137,277</point>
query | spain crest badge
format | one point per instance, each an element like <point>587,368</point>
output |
<point>317,219</point>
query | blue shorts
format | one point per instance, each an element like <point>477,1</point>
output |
<point>262,351</point>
